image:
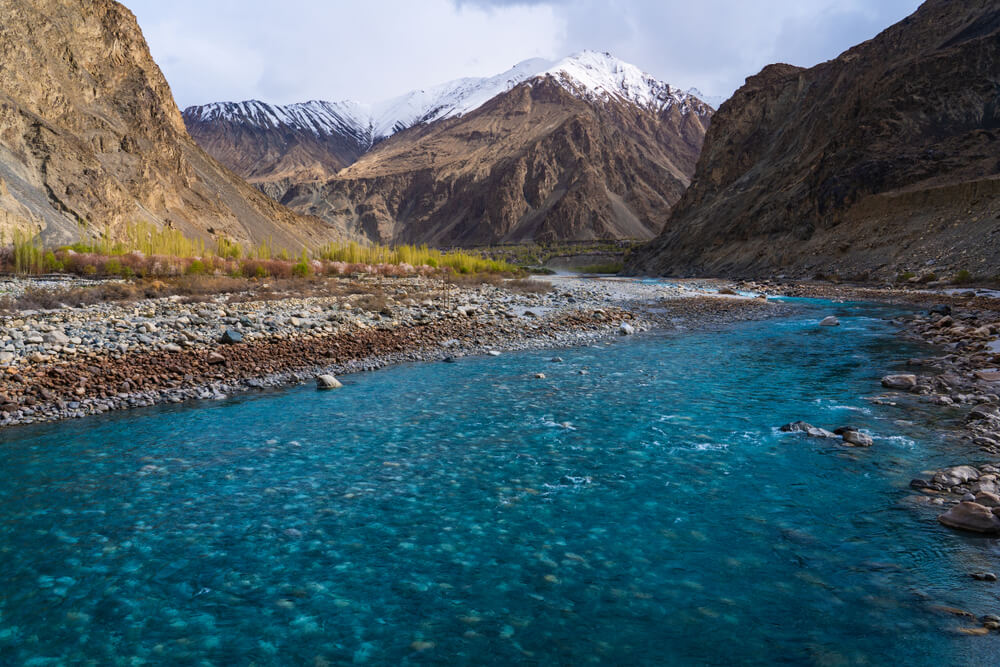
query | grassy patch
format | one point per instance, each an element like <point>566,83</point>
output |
<point>146,251</point>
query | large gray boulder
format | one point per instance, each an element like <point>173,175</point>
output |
<point>956,475</point>
<point>973,517</point>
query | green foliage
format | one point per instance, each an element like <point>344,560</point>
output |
<point>302,268</point>
<point>196,268</point>
<point>28,256</point>
<point>52,265</point>
<point>143,249</point>
<point>963,277</point>
<point>458,261</point>
<point>227,249</point>
<point>906,275</point>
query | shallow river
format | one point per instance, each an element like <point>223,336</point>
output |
<point>646,512</point>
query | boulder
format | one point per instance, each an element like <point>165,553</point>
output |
<point>231,337</point>
<point>215,358</point>
<point>983,412</point>
<point>987,485</point>
<point>987,499</point>
<point>808,429</point>
<point>856,439</point>
<point>327,382</point>
<point>900,382</point>
<point>829,321</point>
<point>973,517</point>
<point>626,329</point>
<point>956,475</point>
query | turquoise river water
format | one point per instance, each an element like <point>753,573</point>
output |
<point>647,512</point>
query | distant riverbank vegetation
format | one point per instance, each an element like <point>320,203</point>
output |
<point>144,250</point>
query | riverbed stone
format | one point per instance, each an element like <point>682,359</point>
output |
<point>829,321</point>
<point>327,381</point>
<point>626,329</point>
<point>808,429</point>
<point>900,382</point>
<point>972,517</point>
<point>987,499</point>
<point>231,337</point>
<point>956,475</point>
<point>856,438</point>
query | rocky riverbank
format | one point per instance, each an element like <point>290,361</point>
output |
<point>965,380</point>
<point>72,362</point>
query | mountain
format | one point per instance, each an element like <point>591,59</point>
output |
<point>587,147</point>
<point>880,162</point>
<point>91,139</point>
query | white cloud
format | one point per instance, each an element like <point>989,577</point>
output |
<point>300,49</point>
<point>306,49</point>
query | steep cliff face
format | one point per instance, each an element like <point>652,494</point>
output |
<point>90,137</point>
<point>587,148</point>
<point>884,160</point>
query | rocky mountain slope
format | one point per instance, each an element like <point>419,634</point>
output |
<point>91,139</point>
<point>883,161</point>
<point>589,147</point>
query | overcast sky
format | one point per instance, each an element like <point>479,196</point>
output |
<point>296,50</point>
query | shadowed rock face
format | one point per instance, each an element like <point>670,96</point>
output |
<point>534,163</point>
<point>90,137</point>
<point>883,160</point>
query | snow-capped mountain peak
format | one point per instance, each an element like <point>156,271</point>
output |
<point>602,76</point>
<point>589,74</point>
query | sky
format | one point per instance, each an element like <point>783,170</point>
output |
<point>371,50</point>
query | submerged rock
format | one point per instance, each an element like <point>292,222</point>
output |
<point>327,382</point>
<point>973,517</point>
<point>808,429</point>
<point>829,321</point>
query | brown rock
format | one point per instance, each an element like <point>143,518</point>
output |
<point>972,517</point>
<point>534,163</point>
<point>90,126</point>
<point>987,499</point>
<point>836,168</point>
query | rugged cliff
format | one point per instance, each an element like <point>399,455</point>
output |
<point>882,161</point>
<point>91,139</point>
